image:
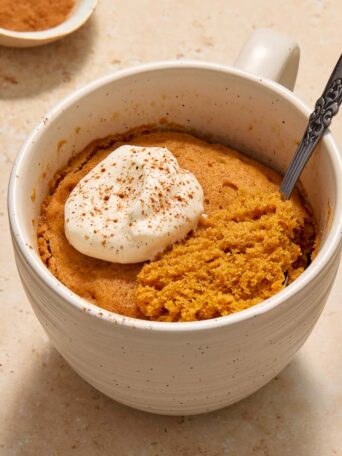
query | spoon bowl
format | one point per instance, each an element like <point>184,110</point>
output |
<point>81,12</point>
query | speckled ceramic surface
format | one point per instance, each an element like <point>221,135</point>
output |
<point>296,413</point>
<point>179,368</point>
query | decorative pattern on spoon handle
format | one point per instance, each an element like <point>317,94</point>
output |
<point>325,109</point>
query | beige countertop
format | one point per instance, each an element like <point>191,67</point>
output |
<point>46,408</point>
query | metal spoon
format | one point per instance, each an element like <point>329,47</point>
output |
<point>326,108</point>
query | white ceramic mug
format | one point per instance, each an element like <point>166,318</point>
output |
<point>195,367</point>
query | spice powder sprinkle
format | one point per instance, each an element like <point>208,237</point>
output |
<point>33,15</point>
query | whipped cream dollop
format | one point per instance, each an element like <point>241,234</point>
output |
<point>132,205</point>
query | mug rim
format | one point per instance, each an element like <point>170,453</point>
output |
<point>323,257</point>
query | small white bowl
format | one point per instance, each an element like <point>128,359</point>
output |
<point>81,12</point>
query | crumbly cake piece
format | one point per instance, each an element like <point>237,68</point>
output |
<point>238,257</point>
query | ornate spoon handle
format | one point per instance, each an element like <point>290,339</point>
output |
<point>325,109</point>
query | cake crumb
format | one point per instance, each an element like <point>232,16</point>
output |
<point>237,258</point>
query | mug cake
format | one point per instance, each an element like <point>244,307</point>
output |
<point>214,236</point>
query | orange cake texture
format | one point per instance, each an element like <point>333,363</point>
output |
<point>238,257</point>
<point>249,241</point>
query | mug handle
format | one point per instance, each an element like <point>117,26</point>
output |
<point>272,55</point>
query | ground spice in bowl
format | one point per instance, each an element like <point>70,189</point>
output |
<point>33,15</point>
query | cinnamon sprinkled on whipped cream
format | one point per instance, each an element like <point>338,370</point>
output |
<point>133,205</point>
